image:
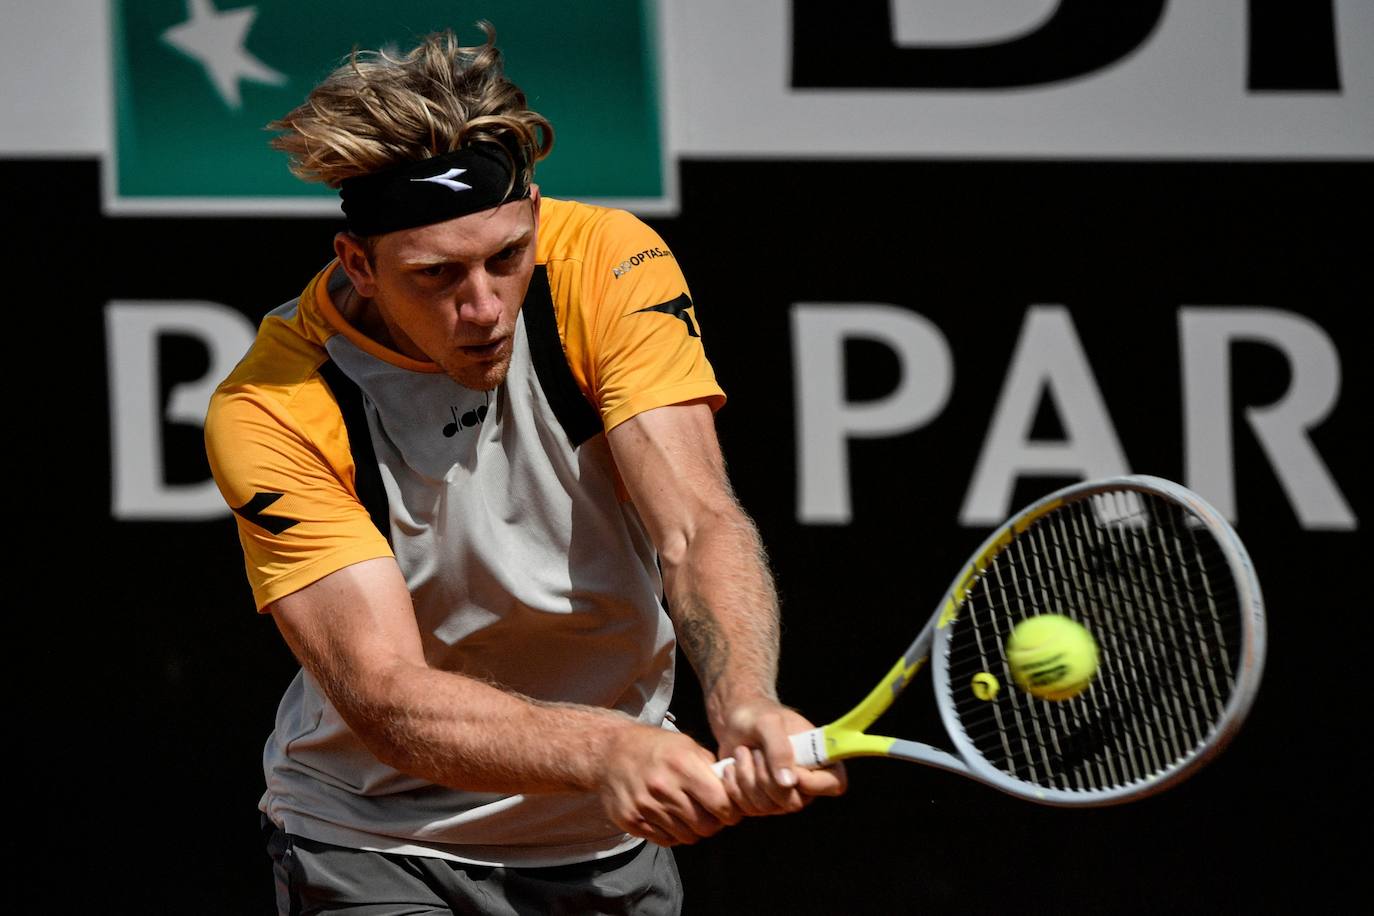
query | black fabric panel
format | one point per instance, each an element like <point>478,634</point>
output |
<point>579,419</point>
<point>367,476</point>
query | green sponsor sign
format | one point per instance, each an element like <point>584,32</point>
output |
<point>196,81</point>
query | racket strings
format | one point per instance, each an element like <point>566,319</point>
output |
<point>1142,656</point>
<point>1134,747</point>
<point>1068,554</point>
<point>1155,589</point>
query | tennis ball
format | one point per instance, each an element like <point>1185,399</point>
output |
<point>985,686</point>
<point>1052,657</point>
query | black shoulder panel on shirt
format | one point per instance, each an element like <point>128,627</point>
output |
<point>579,419</point>
<point>367,475</point>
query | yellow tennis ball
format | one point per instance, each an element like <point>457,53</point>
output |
<point>985,685</point>
<point>1052,657</point>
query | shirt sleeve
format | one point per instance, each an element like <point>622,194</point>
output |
<point>290,484</point>
<point>645,341</point>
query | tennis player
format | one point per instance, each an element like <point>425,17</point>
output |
<point>478,488</point>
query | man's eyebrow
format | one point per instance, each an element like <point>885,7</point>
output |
<point>519,237</point>
<point>427,260</point>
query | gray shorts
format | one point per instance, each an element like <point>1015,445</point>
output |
<point>318,878</point>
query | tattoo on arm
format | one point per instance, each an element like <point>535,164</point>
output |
<point>702,640</point>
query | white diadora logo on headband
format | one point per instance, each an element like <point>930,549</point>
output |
<point>447,181</point>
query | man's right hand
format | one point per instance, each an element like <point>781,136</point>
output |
<point>659,785</point>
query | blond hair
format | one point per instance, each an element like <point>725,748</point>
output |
<point>376,111</point>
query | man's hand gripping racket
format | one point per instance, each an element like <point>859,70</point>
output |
<point>1165,587</point>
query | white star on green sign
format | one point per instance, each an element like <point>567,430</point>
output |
<point>196,81</point>
<point>215,40</point>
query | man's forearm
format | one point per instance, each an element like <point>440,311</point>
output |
<point>464,733</point>
<point>725,610</point>
<point>455,731</point>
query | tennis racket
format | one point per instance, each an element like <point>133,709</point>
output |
<point>1166,588</point>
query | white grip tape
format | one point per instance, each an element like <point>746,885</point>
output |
<point>808,748</point>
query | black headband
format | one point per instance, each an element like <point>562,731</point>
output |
<point>429,191</point>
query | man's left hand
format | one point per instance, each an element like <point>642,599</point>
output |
<point>765,778</point>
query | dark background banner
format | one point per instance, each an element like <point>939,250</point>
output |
<point>157,683</point>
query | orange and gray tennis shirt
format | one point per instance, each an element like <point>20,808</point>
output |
<point>527,567</point>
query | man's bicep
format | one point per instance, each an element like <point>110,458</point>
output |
<point>670,461</point>
<point>351,627</point>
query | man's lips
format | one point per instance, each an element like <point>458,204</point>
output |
<point>487,350</point>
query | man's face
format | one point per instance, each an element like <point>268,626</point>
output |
<point>450,292</point>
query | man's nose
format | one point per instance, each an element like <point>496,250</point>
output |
<point>482,305</point>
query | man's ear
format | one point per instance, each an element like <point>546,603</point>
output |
<point>356,261</point>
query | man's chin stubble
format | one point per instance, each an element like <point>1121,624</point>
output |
<point>489,380</point>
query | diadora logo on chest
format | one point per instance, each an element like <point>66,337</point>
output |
<point>466,420</point>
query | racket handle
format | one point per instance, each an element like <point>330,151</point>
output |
<point>807,747</point>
